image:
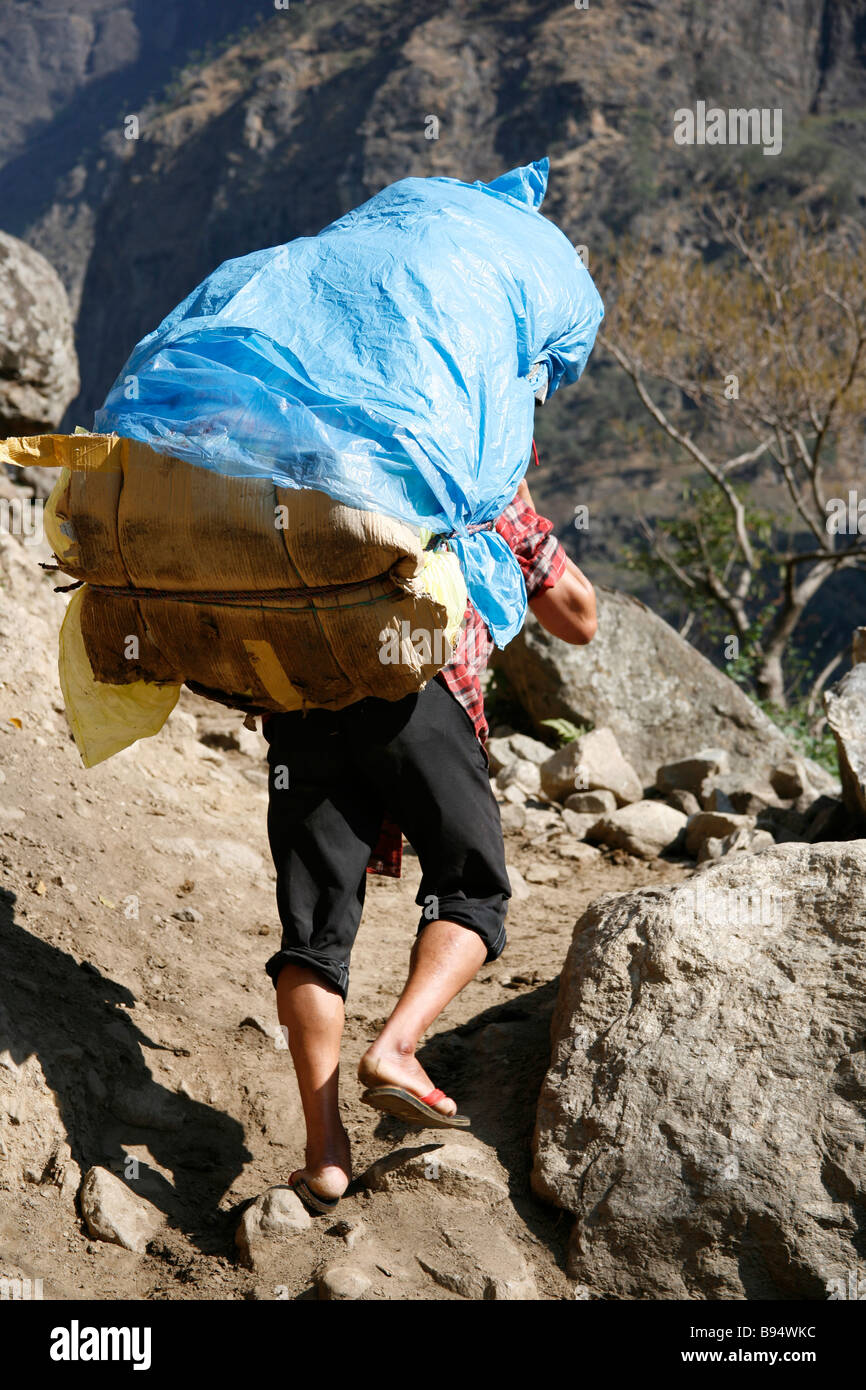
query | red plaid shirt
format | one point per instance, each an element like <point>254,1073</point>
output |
<point>542,560</point>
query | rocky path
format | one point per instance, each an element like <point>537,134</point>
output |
<point>138,1029</point>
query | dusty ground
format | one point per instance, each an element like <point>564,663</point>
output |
<point>121,1022</point>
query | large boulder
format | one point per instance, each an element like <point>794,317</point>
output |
<point>703,1115</point>
<point>38,362</point>
<point>657,693</point>
<point>845,706</point>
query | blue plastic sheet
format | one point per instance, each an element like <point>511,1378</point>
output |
<point>391,361</point>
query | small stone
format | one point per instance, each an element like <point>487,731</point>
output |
<point>513,817</point>
<point>540,822</point>
<point>789,780</point>
<point>520,889</point>
<point>598,801</point>
<point>569,848</point>
<point>115,1214</point>
<point>513,795</point>
<point>342,1282</point>
<point>543,873</point>
<point>520,773</point>
<point>718,800</point>
<point>742,795</point>
<point>689,773</point>
<point>188,914</point>
<point>578,825</point>
<point>644,829</point>
<point>532,749</point>
<point>743,841</point>
<point>684,801</point>
<point>351,1231</point>
<point>713,824</point>
<point>277,1213</point>
<point>260,1025</point>
<point>499,754</point>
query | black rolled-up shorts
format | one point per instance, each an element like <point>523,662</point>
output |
<point>333,775</point>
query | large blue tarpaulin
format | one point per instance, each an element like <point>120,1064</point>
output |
<point>385,361</point>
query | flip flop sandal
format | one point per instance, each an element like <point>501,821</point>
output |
<point>414,1110</point>
<point>321,1206</point>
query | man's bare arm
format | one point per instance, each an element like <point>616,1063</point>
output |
<point>567,610</point>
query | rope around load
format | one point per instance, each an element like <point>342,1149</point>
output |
<point>245,597</point>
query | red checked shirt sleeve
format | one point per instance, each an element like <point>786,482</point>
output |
<point>542,562</point>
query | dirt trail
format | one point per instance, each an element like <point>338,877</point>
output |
<point>136,914</point>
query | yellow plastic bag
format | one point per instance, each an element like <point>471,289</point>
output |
<point>105,718</point>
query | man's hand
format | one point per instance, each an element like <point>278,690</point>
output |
<point>568,609</point>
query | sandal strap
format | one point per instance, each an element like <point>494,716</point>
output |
<point>434,1097</point>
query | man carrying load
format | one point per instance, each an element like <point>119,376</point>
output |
<point>378,382</point>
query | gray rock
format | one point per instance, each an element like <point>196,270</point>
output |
<point>717,800</point>
<point>532,749</point>
<point>790,780</point>
<point>499,754</point>
<point>540,822</point>
<point>342,1282</point>
<point>579,825</point>
<point>845,706</point>
<point>277,1214</point>
<point>717,824</point>
<point>569,848</point>
<point>543,873</point>
<point>115,1214</point>
<point>703,1095</point>
<point>744,841</point>
<point>598,801</point>
<point>513,817</point>
<point>743,795</point>
<point>645,829</point>
<point>520,889</point>
<point>38,362</point>
<point>259,1025</point>
<point>512,795</point>
<point>651,687</point>
<point>520,773</point>
<point>683,801</point>
<point>592,762</point>
<point>687,774</point>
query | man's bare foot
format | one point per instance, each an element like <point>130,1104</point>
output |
<point>327,1170</point>
<point>385,1067</point>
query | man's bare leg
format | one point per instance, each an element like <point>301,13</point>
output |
<point>444,958</point>
<point>312,1011</point>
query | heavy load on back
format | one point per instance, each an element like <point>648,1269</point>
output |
<point>261,597</point>
<point>295,478</point>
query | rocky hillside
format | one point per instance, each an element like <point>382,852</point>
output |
<point>321,104</point>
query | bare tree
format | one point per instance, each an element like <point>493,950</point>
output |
<point>768,341</point>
